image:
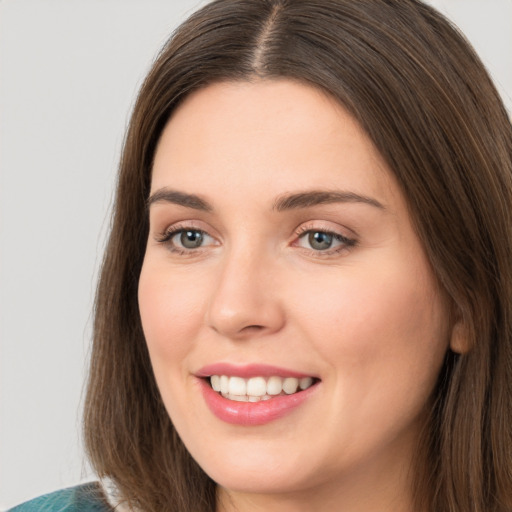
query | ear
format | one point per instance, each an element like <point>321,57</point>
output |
<point>459,340</point>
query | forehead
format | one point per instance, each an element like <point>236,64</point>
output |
<point>277,134</point>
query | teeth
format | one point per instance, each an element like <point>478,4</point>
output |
<point>215,382</point>
<point>257,388</point>
<point>274,385</point>
<point>237,386</point>
<point>305,382</point>
<point>238,398</point>
<point>290,385</point>
<point>224,384</point>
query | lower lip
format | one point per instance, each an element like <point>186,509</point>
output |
<point>253,413</point>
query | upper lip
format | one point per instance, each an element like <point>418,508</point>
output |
<point>248,370</point>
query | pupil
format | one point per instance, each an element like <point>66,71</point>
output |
<point>320,241</point>
<point>191,239</point>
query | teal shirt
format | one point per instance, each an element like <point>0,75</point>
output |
<point>83,498</point>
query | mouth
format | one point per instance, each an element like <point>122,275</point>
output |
<point>258,388</point>
<point>254,394</point>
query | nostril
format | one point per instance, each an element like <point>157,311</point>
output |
<point>250,328</point>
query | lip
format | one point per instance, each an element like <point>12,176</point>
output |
<point>247,371</point>
<point>251,413</point>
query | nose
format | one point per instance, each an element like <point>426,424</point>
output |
<point>245,302</point>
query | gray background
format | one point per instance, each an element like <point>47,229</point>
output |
<point>69,71</point>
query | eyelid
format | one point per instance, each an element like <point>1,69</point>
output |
<point>172,232</point>
<point>175,227</point>
<point>165,236</point>
<point>347,241</point>
<point>327,226</point>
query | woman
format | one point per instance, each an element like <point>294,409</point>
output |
<point>305,303</point>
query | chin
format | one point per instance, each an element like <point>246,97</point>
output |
<point>250,480</point>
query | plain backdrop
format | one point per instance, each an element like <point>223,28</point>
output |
<point>69,72</point>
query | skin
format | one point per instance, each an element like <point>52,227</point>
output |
<point>367,318</point>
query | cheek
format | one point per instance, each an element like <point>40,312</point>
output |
<point>383,336</point>
<point>383,330</point>
<point>169,314</point>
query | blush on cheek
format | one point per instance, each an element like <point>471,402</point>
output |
<point>380,316</point>
<point>171,314</point>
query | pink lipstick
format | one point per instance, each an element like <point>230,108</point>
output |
<point>252,395</point>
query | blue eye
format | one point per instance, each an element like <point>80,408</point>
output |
<point>319,240</point>
<point>186,239</point>
<point>323,241</point>
<point>190,239</point>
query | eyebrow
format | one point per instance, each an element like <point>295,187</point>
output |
<point>283,203</point>
<point>318,197</point>
<point>165,195</point>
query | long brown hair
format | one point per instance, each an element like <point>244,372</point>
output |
<point>426,101</point>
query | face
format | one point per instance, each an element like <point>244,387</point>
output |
<point>293,322</point>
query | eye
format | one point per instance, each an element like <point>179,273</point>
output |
<point>189,239</point>
<point>185,239</point>
<point>319,240</point>
<point>324,241</point>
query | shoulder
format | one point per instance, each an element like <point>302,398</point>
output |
<point>83,498</point>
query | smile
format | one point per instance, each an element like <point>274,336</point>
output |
<point>255,389</point>
<point>254,394</point>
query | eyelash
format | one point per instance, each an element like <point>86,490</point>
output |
<point>166,237</point>
<point>345,242</point>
